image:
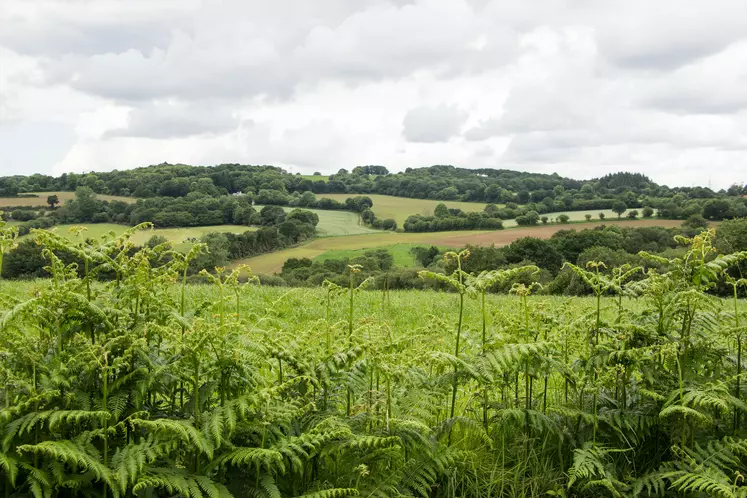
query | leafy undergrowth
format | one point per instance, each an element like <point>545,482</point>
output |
<point>144,386</point>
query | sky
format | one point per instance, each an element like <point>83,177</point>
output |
<point>578,87</point>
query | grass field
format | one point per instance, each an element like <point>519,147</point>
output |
<point>334,223</point>
<point>399,208</point>
<point>178,236</point>
<point>315,178</point>
<point>63,197</point>
<point>273,262</point>
<point>400,252</point>
<point>574,216</point>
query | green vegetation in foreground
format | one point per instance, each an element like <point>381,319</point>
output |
<point>399,208</point>
<point>400,252</point>
<point>333,222</point>
<point>146,387</point>
<point>178,236</point>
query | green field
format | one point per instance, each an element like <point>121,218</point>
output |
<point>333,223</point>
<point>178,236</point>
<point>400,252</point>
<point>609,215</point>
<point>315,178</point>
<point>63,197</point>
<point>399,208</point>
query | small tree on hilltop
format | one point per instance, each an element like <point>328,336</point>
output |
<point>587,216</point>
<point>601,216</point>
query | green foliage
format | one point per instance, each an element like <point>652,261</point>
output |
<point>145,386</point>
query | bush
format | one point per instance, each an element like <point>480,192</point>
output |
<point>23,215</point>
<point>563,218</point>
<point>100,218</point>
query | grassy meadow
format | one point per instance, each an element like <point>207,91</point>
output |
<point>334,223</point>
<point>178,236</point>
<point>149,386</point>
<point>575,216</point>
<point>314,178</point>
<point>399,208</point>
<point>63,197</point>
<point>400,253</point>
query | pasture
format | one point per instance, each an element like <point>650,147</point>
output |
<point>577,216</point>
<point>400,253</point>
<point>63,197</point>
<point>273,262</point>
<point>333,223</point>
<point>177,236</point>
<point>315,178</point>
<point>399,208</point>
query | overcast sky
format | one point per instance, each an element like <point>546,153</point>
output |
<point>577,87</point>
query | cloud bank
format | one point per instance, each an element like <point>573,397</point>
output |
<point>575,87</point>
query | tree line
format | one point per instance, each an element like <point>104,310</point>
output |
<point>611,245</point>
<point>442,182</point>
<point>278,230</point>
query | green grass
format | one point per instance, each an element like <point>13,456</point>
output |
<point>178,236</point>
<point>63,197</point>
<point>576,216</point>
<point>401,253</point>
<point>315,178</point>
<point>334,223</point>
<point>399,208</point>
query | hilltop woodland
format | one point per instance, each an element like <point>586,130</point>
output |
<point>271,185</point>
<point>146,386</point>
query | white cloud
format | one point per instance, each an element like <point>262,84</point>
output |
<point>432,124</point>
<point>581,88</point>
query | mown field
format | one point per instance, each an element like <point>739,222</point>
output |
<point>400,253</point>
<point>399,208</point>
<point>178,236</point>
<point>333,223</point>
<point>273,262</point>
<point>147,387</point>
<point>574,216</point>
<point>314,178</point>
<point>62,196</point>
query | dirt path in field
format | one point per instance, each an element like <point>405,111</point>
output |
<point>273,262</point>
